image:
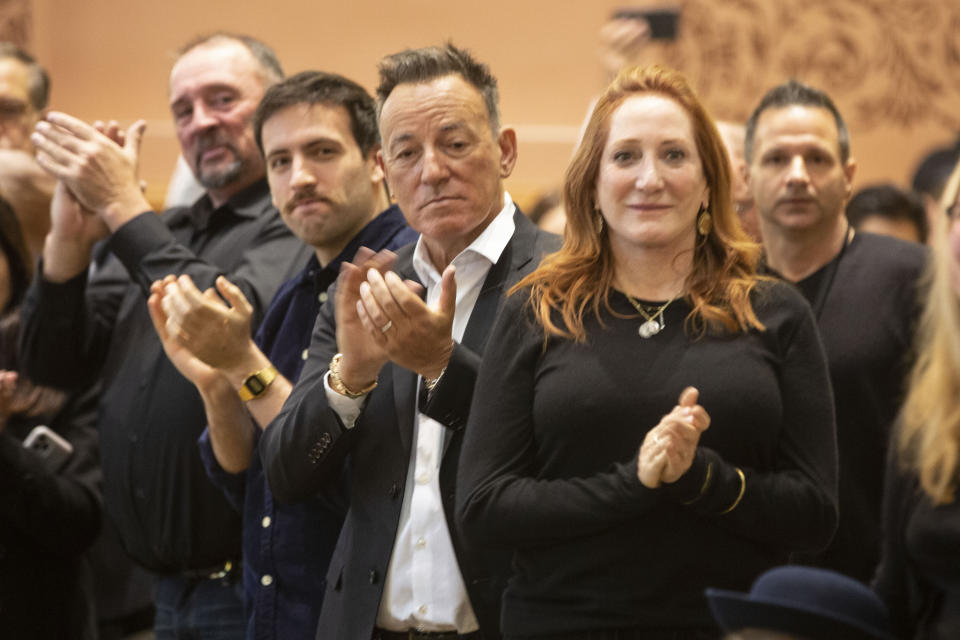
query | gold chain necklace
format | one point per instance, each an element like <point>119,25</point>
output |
<point>652,326</point>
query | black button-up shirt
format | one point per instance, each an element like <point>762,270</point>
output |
<point>292,543</point>
<point>170,517</point>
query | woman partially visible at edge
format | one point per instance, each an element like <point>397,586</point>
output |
<point>646,328</point>
<point>919,573</point>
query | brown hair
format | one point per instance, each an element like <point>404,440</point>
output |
<point>929,437</point>
<point>416,66</point>
<point>580,275</point>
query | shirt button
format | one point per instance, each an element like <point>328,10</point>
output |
<point>265,522</point>
<point>421,543</point>
<point>266,580</point>
<point>306,352</point>
<point>322,297</point>
<point>422,609</point>
<point>423,478</point>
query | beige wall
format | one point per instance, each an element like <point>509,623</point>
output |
<point>893,66</point>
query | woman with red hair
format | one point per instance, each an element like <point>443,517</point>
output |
<point>649,330</point>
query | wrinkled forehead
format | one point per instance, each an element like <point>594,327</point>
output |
<point>219,63</point>
<point>418,108</point>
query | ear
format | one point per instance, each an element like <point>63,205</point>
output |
<point>507,142</point>
<point>849,169</point>
<point>744,169</point>
<point>375,160</point>
<point>378,161</point>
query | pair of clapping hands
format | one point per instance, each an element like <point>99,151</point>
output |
<point>206,332</point>
<point>97,167</point>
<point>668,449</point>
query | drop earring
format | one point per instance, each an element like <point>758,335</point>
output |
<point>704,221</point>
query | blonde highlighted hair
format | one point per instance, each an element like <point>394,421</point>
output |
<point>929,438</point>
<point>579,277</point>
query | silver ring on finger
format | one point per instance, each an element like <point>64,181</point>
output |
<point>386,327</point>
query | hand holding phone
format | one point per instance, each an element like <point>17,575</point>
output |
<point>50,446</point>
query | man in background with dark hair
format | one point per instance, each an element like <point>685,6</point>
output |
<point>24,94</point>
<point>930,178</point>
<point>318,134</point>
<point>890,211</point>
<point>170,517</point>
<point>862,288</point>
<point>386,389</point>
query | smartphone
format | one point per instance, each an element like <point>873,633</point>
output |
<point>662,20</point>
<point>50,446</point>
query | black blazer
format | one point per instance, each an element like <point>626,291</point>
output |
<point>307,449</point>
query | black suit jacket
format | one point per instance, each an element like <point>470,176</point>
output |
<point>307,448</point>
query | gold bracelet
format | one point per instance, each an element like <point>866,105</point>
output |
<point>743,488</point>
<point>336,382</point>
<point>430,384</point>
<point>704,486</point>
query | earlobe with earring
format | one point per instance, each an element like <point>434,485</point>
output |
<point>704,221</point>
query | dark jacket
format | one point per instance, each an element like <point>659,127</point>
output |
<point>306,447</point>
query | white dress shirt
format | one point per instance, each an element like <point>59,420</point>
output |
<point>424,588</point>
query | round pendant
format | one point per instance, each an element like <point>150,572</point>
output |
<point>649,328</point>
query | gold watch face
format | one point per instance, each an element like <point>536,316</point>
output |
<point>255,385</point>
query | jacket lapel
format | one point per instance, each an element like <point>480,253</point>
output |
<point>505,273</point>
<point>405,381</point>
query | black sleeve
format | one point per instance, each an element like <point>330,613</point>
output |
<point>449,402</point>
<point>56,512</point>
<point>149,251</point>
<point>796,500</point>
<point>499,501</point>
<point>896,581</point>
<point>67,326</point>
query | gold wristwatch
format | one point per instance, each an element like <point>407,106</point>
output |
<point>257,383</point>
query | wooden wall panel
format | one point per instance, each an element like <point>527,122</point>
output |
<point>893,66</point>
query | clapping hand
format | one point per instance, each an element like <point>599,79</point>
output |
<point>668,449</point>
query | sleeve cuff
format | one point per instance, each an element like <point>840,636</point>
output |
<point>62,297</point>
<point>231,484</point>
<point>694,484</point>
<point>347,409</point>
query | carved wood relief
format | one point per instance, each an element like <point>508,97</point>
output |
<point>15,22</point>
<point>885,62</point>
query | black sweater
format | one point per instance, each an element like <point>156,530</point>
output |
<point>549,467</point>
<point>919,576</point>
<point>866,319</point>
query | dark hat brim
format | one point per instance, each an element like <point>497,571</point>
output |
<point>734,610</point>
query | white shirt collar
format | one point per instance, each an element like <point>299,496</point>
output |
<point>489,244</point>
